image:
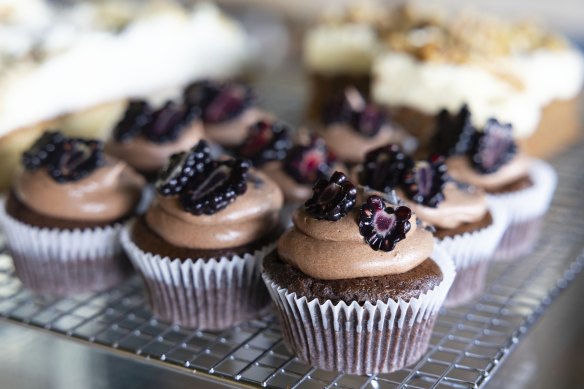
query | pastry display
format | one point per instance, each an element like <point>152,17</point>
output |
<point>64,213</point>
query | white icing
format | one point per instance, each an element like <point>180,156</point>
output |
<point>539,78</point>
<point>155,53</point>
<point>346,48</point>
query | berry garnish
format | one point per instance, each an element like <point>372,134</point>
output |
<point>136,117</point>
<point>454,133</point>
<point>42,150</point>
<point>267,141</point>
<point>369,121</point>
<point>352,109</point>
<point>331,199</point>
<point>383,226</point>
<point>181,167</point>
<point>493,148</point>
<point>167,122</point>
<point>74,159</point>
<point>213,191</point>
<point>425,181</point>
<point>384,167</point>
<point>219,102</point>
<point>309,163</point>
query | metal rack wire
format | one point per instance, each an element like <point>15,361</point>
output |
<point>467,346</point>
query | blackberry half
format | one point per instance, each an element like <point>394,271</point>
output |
<point>383,226</point>
<point>424,182</point>
<point>137,115</point>
<point>309,163</point>
<point>454,134</point>
<point>42,150</point>
<point>182,166</point>
<point>74,159</point>
<point>219,102</point>
<point>493,148</point>
<point>167,123</point>
<point>267,141</point>
<point>332,199</point>
<point>384,167</point>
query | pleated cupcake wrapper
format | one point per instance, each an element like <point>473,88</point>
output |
<point>213,294</point>
<point>148,194</point>
<point>468,250</point>
<point>519,240</point>
<point>59,261</point>
<point>376,337</point>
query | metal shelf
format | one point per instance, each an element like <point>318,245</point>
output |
<point>467,346</point>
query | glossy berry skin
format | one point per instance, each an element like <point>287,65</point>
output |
<point>42,151</point>
<point>381,226</point>
<point>384,167</point>
<point>424,182</point>
<point>493,148</point>
<point>167,123</point>
<point>454,134</point>
<point>219,102</point>
<point>181,167</point>
<point>309,163</point>
<point>332,199</point>
<point>74,159</point>
<point>213,191</point>
<point>267,141</point>
<point>137,115</point>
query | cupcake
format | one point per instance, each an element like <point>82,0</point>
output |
<point>145,138</point>
<point>64,213</point>
<point>227,110</point>
<point>357,281</point>
<point>352,126</point>
<point>464,224</point>
<point>523,186</point>
<point>199,245</point>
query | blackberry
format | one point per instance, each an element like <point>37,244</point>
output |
<point>181,167</point>
<point>332,199</point>
<point>383,226</point>
<point>137,115</point>
<point>384,167</point>
<point>42,151</point>
<point>309,163</point>
<point>453,134</point>
<point>425,181</point>
<point>211,192</point>
<point>74,159</point>
<point>267,141</point>
<point>167,122</point>
<point>219,102</point>
<point>368,121</point>
<point>493,148</point>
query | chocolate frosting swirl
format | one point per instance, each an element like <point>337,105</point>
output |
<point>250,217</point>
<point>108,193</point>
<point>146,156</point>
<point>233,132</point>
<point>336,250</point>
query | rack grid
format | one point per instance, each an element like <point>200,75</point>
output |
<point>467,345</point>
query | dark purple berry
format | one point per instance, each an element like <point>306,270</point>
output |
<point>167,123</point>
<point>309,163</point>
<point>493,148</point>
<point>424,182</point>
<point>136,117</point>
<point>267,141</point>
<point>181,167</point>
<point>383,226</point>
<point>384,167</point>
<point>219,102</point>
<point>369,121</point>
<point>42,150</point>
<point>74,159</point>
<point>332,199</point>
<point>214,190</point>
<point>454,133</point>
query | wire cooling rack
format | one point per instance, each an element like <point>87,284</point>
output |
<point>467,346</point>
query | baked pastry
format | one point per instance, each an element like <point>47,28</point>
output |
<point>46,49</point>
<point>351,126</point>
<point>464,224</point>
<point>146,138</point>
<point>354,269</point>
<point>490,159</point>
<point>64,213</point>
<point>199,245</point>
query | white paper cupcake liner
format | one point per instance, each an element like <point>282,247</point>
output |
<point>213,294</point>
<point>59,261</point>
<point>376,337</point>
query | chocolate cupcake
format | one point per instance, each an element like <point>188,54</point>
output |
<point>352,126</point>
<point>145,138</point>
<point>466,226</point>
<point>64,213</point>
<point>199,245</point>
<point>523,186</point>
<point>357,270</point>
<point>227,110</point>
